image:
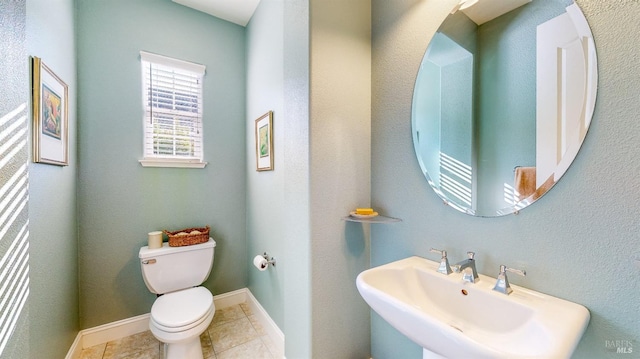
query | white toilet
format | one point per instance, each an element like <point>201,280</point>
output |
<point>185,309</point>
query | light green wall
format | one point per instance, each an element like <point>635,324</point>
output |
<point>340,172</point>
<point>52,196</point>
<point>507,67</point>
<point>265,190</point>
<point>297,277</point>
<point>120,201</point>
<point>579,242</point>
<point>322,151</point>
<point>14,232</point>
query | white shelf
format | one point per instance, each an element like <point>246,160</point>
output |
<point>376,219</point>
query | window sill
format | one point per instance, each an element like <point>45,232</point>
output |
<point>172,163</point>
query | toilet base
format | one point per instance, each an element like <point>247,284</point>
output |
<point>185,344</point>
<point>184,350</point>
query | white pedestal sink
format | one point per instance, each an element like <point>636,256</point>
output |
<point>455,319</point>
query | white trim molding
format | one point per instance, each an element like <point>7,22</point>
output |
<point>173,162</point>
<point>116,330</point>
<point>273,331</point>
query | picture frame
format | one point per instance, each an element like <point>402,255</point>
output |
<point>50,110</point>
<point>264,142</point>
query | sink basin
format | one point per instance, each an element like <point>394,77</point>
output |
<point>455,319</point>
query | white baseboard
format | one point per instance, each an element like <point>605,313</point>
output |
<point>273,331</point>
<point>107,332</point>
<point>229,299</point>
<point>76,348</point>
<point>116,330</point>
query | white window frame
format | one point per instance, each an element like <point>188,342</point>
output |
<point>174,69</point>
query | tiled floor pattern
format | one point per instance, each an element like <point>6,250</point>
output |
<point>234,333</point>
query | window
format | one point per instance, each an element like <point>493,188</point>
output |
<point>172,101</point>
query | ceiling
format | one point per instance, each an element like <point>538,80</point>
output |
<point>236,11</point>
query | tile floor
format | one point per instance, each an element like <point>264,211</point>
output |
<point>234,333</point>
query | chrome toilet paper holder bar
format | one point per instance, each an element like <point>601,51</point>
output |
<point>270,261</point>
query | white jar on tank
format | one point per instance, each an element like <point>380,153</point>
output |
<point>184,310</point>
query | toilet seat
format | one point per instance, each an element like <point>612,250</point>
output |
<point>182,310</point>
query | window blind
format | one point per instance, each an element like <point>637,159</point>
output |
<point>172,101</point>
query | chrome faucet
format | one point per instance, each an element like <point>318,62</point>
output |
<point>468,266</point>
<point>444,267</point>
<point>502,285</point>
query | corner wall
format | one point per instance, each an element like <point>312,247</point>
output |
<point>265,190</point>
<point>579,242</point>
<point>297,285</point>
<point>278,201</point>
<point>52,195</point>
<point>321,171</point>
<point>340,172</point>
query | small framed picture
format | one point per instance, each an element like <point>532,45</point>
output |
<point>264,142</point>
<point>50,116</point>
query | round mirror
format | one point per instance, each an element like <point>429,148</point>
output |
<point>503,101</point>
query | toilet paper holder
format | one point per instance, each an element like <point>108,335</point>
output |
<point>270,261</point>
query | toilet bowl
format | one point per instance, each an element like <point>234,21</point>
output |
<point>184,310</point>
<point>179,318</point>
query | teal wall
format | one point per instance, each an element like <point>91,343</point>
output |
<point>426,119</point>
<point>297,253</point>
<point>579,242</point>
<point>52,195</point>
<point>340,172</point>
<point>309,64</point>
<point>507,67</point>
<point>14,232</point>
<point>120,200</point>
<point>265,190</point>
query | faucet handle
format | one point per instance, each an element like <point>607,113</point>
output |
<point>502,284</point>
<point>443,253</point>
<point>471,254</point>
<point>520,272</point>
<point>444,267</point>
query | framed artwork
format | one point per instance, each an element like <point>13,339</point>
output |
<point>50,116</point>
<point>264,142</point>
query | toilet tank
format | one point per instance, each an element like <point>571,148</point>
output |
<point>168,269</point>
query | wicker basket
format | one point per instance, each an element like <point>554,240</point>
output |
<point>188,239</point>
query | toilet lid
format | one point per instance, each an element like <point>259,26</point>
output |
<point>179,309</point>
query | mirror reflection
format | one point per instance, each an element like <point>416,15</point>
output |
<point>502,102</point>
